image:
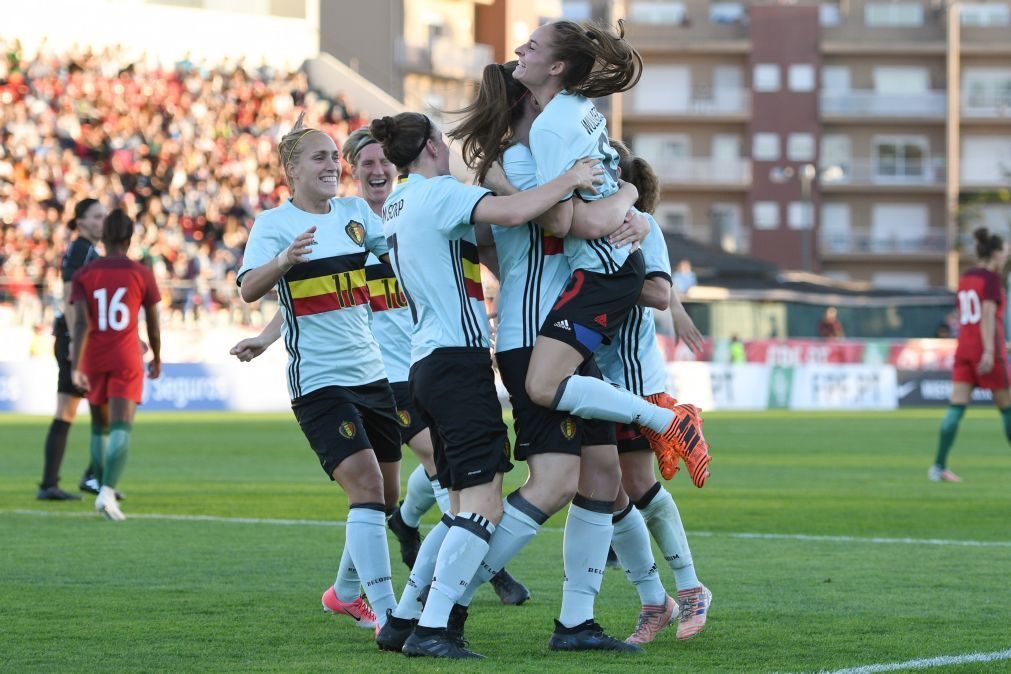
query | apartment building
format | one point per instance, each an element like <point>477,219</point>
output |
<point>856,139</point>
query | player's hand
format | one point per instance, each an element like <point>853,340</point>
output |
<point>685,330</point>
<point>633,231</point>
<point>80,380</point>
<point>298,251</point>
<point>248,349</point>
<point>154,369</point>
<point>586,174</point>
<point>985,363</point>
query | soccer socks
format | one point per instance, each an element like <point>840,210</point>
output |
<point>56,446</point>
<point>424,568</point>
<point>347,586</point>
<point>420,497</point>
<point>631,543</point>
<point>592,398</point>
<point>460,556</point>
<point>664,522</point>
<point>521,520</point>
<point>370,554</point>
<point>587,536</point>
<point>115,459</point>
<point>1005,414</point>
<point>949,427</point>
<point>441,494</point>
<point>99,439</point>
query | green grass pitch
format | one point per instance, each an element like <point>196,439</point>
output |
<point>78,593</point>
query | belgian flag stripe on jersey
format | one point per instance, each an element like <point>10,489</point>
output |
<point>384,289</point>
<point>338,264</point>
<point>553,245</point>
<point>471,270</point>
<point>329,293</point>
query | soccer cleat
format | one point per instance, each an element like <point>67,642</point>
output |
<point>409,538</point>
<point>438,644</point>
<point>587,636</point>
<point>938,474</point>
<point>693,608</point>
<point>394,633</point>
<point>456,623</point>
<point>652,620</point>
<point>106,504</point>
<point>358,610</point>
<point>509,590</point>
<point>89,485</point>
<point>682,439</point>
<point>54,493</point>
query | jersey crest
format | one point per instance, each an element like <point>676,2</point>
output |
<point>356,231</point>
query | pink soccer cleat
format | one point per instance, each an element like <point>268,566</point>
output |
<point>693,606</point>
<point>358,610</point>
<point>652,620</point>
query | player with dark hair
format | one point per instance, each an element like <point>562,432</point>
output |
<point>106,354</point>
<point>981,354</point>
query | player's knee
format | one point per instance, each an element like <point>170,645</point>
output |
<point>636,486</point>
<point>541,389</point>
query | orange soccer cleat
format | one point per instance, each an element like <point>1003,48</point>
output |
<point>683,439</point>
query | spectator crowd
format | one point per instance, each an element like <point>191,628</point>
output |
<point>189,149</point>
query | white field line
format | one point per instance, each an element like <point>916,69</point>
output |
<point>927,663</point>
<point>712,534</point>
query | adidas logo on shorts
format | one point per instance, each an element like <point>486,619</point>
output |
<point>563,324</point>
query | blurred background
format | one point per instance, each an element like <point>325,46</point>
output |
<point>823,167</point>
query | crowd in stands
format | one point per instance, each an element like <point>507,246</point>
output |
<point>189,149</point>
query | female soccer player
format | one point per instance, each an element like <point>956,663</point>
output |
<point>633,361</point>
<point>87,221</point>
<point>981,355</point>
<point>106,356</point>
<point>313,249</point>
<point>429,221</point>
<point>564,64</point>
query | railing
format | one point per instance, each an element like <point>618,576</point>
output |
<point>444,58</point>
<point>866,171</point>
<point>989,104</point>
<point>700,101</point>
<point>933,240</point>
<point>704,170</point>
<point>876,104</point>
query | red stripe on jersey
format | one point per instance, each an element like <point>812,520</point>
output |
<point>553,245</point>
<point>474,290</point>
<point>318,304</point>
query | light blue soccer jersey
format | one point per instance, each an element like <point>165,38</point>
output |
<point>633,360</point>
<point>568,129</point>
<point>391,318</point>
<point>324,300</point>
<point>533,269</point>
<point>428,224</point>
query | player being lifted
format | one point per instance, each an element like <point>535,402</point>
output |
<point>312,249</point>
<point>981,354</point>
<point>106,359</point>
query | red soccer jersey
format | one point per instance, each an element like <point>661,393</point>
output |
<point>115,289</point>
<point>975,287</point>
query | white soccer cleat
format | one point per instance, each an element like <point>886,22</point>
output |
<point>938,474</point>
<point>107,505</point>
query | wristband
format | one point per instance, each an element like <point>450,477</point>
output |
<point>282,261</point>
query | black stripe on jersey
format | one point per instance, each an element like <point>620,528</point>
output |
<point>291,340</point>
<point>326,266</point>
<point>603,250</point>
<point>379,271</point>
<point>532,285</point>
<point>468,321</point>
<point>395,265</point>
<point>628,351</point>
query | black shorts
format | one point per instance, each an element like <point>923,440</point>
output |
<point>339,421</point>
<point>631,439</point>
<point>61,349</point>
<point>411,422</point>
<point>540,430</point>
<point>454,390</point>
<point>593,306</point>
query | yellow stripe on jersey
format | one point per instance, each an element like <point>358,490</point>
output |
<point>324,285</point>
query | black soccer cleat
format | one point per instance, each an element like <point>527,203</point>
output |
<point>456,623</point>
<point>509,590</point>
<point>438,643</point>
<point>394,633</point>
<point>409,538</point>
<point>54,493</point>
<point>587,636</point>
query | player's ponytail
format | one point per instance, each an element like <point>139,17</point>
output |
<point>80,210</point>
<point>638,172</point>
<point>986,243</point>
<point>485,130</point>
<point>403,137</point>
<point>117,229</point>
<point>597,61</point>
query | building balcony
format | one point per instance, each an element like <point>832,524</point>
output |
<point>989,105</point>
<point>688,37</point>
<point>884,174</point>
<point>700,102</point>
<point>703,171</point>
<point>930,242</point>
<point>869,104</point>
<point>444,58</point>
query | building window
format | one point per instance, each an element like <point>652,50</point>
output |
<point>800,147</point>
<point>835,228</point>
<point>765,214</point>
<point>900,157</point>
<point>904,280</point>
<point>986,160</point>
<point>663,149</point>
<point>893,14</point>
<point>898,227</point>
<point>663,89</point>
<point>835,78</point>
<point>657,12</point>
<point>798,215</point>
<point>765,146</point>
<point>674,218</point>
<point>892,80</point>
<point>726,229</point>
<point>766,77</point>
<point>726,12</point>
<point>829,15</point>
<point>576,10</point>
<point>836,155</point>
<point>986,90</point>
<point>800,77</point>
<point>984,14</point>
